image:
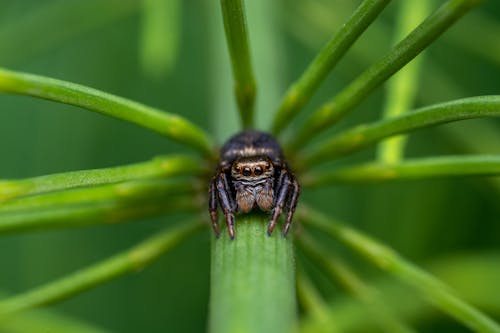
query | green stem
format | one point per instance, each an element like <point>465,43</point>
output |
<point>302,90</point>
<point>374,76</point>
<point>402,87</point>
<point>104,204</point>
<point>410,169</point>
<point>233,13</point>
<point>388,260</point>
<point>365,135</point>
<point>129,261</point>
<point>340,273</point>
<point>252,280</point>
<point>167,124</point>
<point>159,167</point>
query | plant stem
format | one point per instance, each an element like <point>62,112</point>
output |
<point>402,87</point>
<point>252,280</point>
<point>132,260</point>
<point>362,136</point>
<point>410,169</point>
<point>167,124</point>
<point>104,204</point>
<point>233,13</point>
<point>302,90</point>
<point>158,167</point>
<point>374,76</point>
<point>388,260</point>
<point>339,272</point>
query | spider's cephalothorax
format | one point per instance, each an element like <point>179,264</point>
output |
<point>252,173</point>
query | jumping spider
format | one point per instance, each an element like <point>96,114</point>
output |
<point>252,173</point>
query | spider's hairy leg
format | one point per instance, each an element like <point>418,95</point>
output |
<point>291,205</point>
<point>212,207</point>
<point>226,202</point>
<point>283,185</point>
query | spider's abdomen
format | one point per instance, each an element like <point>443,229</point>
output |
<point>251,143</point>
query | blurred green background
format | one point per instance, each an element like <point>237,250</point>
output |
<point>174,57</point>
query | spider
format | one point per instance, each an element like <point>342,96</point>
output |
<point>252,173</point>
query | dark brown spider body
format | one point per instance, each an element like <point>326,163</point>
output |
<point>252,174</point>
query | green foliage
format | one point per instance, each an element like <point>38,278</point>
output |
<point>253,278</point>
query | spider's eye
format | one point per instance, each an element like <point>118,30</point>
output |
<point>268,166</point>
<point>246,171</point>
<point>258,171</point>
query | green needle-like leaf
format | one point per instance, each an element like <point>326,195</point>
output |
<point>302,90</point>
<point>388,260</point>
<point>160,36</point>
<point>340,273</point>
<point>167,124</point>
<point>233,12</point>
<point>102,204</point>
<point>313,304</point>
<point>159,167</point>
<point>374,76</point>
<point>410,169</point>
<point>129,261</point>
<point>252,280</point>
<point>402,87</point>
<point>51,321</point>
<point>362,136</point>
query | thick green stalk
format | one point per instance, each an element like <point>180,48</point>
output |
<point>388,260</point>
<point>129,261</point>
<point>103,204</point>
<point>374,76</point>
<point>302,90</point>
<point>410,169</point>
<point>340,273</point>
<point>233,13</point>
<point>252,280</point>
<point>402,87</point>
<point>159,167</point>
<point>365,135</point>
<point>167,124</point>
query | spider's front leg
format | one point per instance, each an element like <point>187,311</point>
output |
<point>291,204</point>
<point>226,201</point>
<point>288,190</point>
<point>281,191</point>
<point>212,207</point>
